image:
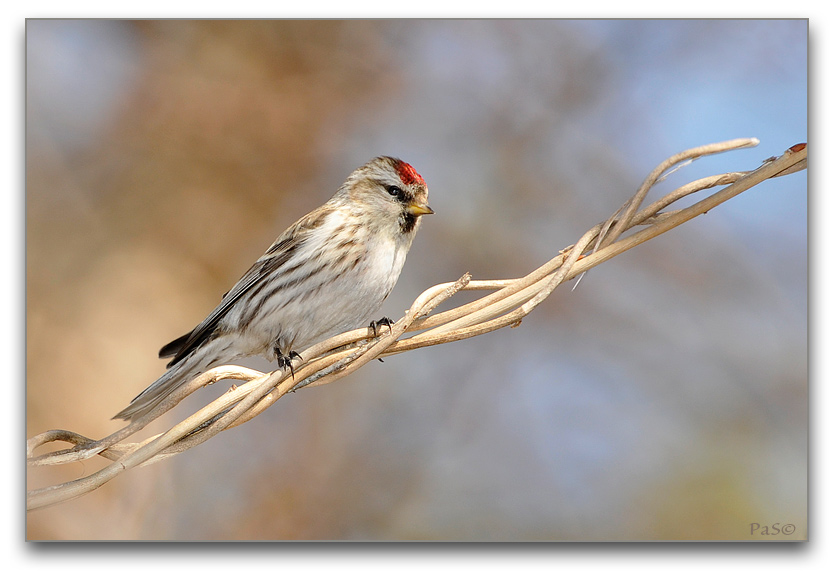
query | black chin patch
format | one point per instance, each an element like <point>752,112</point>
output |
<point>408,221</point>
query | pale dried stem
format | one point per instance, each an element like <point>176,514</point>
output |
<point>509,302</point>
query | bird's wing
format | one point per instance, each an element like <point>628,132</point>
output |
<point>276,256</point>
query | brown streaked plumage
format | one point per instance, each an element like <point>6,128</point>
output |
<point>327,273</point>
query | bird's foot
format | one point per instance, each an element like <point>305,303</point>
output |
<point>285,360</point>
<point>375,325</point>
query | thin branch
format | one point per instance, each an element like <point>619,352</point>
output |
<point>508,302</point>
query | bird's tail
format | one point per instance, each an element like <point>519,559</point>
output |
<point>161,388</point>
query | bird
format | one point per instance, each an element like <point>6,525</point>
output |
<point>325,274</point>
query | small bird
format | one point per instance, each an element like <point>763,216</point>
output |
<point>326,274</point>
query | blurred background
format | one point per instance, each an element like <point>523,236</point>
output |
<point>664,399</point>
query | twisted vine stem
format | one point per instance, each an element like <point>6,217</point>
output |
<point>507,304</point>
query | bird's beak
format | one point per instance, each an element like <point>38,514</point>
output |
<point>419,209</point>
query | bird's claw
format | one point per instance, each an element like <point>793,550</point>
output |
<point>375,325</point>
<point>285,360</point>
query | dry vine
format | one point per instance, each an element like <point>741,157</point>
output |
<point>507,304</point>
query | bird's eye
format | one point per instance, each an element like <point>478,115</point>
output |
<point>395,191</point>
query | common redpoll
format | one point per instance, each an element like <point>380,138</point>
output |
<point>327,273</point>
